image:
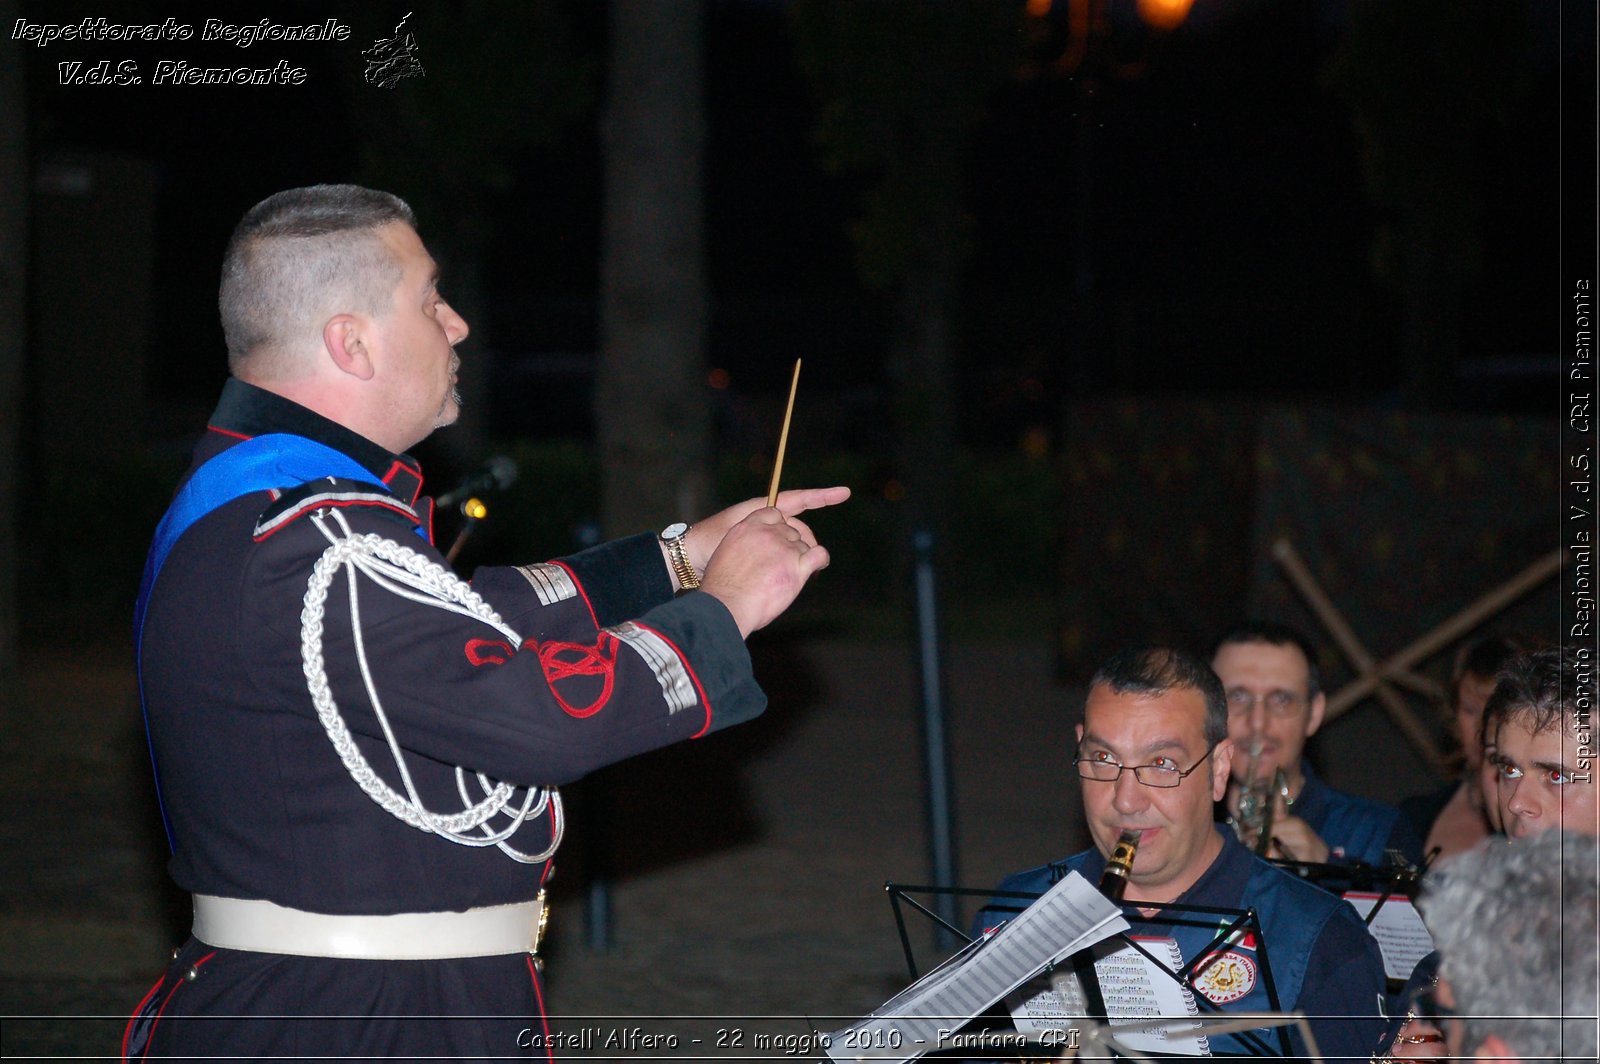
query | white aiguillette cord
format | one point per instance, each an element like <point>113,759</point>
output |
<point>411,575</point>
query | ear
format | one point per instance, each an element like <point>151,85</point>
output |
<point>1319,707</point>
<point>1221,768</point>
<point>1077,731</point>
<point>346,337</point>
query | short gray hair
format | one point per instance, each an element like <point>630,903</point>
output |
<point>1515,923</point>
<point>295,260</point>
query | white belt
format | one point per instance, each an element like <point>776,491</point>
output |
<point>263,927</point>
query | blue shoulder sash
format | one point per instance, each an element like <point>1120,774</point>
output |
<point>276,460</point>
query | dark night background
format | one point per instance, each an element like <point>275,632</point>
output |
<point>1231,233</point>
<point>1182,214</point>
<point>1290,268</point>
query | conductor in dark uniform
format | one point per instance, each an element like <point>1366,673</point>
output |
<point>357,751</point>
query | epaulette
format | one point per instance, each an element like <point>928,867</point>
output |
<point>288,505</point>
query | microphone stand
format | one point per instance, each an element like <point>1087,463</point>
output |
<point>473,509</point>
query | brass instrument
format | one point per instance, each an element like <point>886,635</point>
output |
<point>1258,803</point>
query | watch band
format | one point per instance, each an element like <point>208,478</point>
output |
<point>672,536</point>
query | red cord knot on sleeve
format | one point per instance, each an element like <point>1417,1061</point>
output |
<point>568,665</point>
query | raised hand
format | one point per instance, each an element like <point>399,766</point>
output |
<point>763,560</point>
<point>706,535</point>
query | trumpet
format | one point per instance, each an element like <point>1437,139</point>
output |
<point>1258,802</point>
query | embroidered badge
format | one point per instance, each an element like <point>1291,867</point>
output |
<point>1226,977</point>
<point>1244,938</point>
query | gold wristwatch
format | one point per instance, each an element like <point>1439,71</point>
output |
<point>672,536</point>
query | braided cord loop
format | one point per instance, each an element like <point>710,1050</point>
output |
<point>411,575</point>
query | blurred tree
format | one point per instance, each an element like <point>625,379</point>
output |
<point>902,84</point>
<point>496,79</point>
<point>1429,83</point>
<point>652,409</point>
<point>14,187</point>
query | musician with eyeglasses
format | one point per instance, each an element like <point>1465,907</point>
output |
<point>1275,704</point>
<point>1153,757</point>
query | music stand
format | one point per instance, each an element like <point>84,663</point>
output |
<point>1237,922</point>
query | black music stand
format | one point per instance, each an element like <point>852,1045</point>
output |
<point>1171,915</point>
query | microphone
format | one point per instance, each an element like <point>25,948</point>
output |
<point>497,474</point>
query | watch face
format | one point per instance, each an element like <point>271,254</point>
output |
<point>674,530</point>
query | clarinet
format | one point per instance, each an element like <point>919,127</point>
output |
<point>1114,880</point>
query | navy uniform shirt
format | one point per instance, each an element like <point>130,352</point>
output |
<point>1355,829</point>
<point>1322,959</point>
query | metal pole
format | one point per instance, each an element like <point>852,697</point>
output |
<point>936,745</point>
<point>596,819</point>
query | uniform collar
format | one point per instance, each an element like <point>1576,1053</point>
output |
<point>245,411</point>
<point>1224,882</point>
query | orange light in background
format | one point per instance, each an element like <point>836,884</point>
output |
<point>894,491</point>
<point>1164,14</point>
<point>720,379</point>
<point>1039,8</point>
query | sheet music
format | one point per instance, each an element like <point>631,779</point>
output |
<point>1401,934</point>
<point>1070,916</point>
<point>1133,989</point>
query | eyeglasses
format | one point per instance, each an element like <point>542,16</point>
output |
<point>1278,703</point>
<point>1153,775</point>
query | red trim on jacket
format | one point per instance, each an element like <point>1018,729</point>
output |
<point>399,466</point>
<point>127,1032</point>
<point>289,517</point>
<point>426,512</point>
<point>595,617</point>
<point>151,1037</point>
<point>538,995</point>
<point>684,661</point>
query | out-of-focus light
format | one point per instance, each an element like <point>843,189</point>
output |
<point>475,509</point>
<point>894,491</point>
<point>720,379</point>
<point>1039,8</point>
<point>1164,14</point>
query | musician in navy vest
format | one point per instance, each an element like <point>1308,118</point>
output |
<point>356,750</point>
<point>1275,704</point>
<point>1153,756</point>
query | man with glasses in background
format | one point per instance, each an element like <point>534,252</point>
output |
<point>1275,703</point>
<point>1153,757</point>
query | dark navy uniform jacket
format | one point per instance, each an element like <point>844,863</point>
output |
<point>1323,961</point>
<point>1355,829</point>
<point>260,806</point>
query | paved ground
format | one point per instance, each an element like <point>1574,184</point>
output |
<point>749,868</point>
